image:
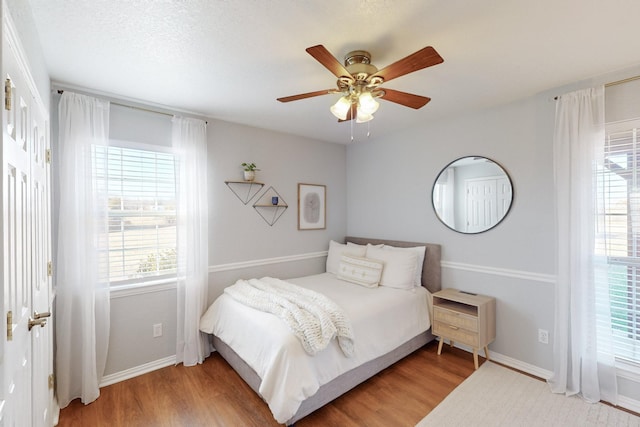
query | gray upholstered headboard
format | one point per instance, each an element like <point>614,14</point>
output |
<point>431,278</point>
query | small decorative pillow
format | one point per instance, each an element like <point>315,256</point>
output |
<point>362,271</point>
<point>336,250</point>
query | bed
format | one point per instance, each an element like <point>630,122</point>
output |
<point>294,383</point>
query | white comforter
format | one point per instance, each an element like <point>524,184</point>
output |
<point>311,316</point>
<point>382,319</point>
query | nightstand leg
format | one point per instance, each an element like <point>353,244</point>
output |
<point>440,345</point>
<point>486,352</point>
<point>475,357</point>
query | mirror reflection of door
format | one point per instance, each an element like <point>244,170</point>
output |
<point>472,194</point>
<point>488,200</point>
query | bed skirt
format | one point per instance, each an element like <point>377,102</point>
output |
<point>334,388</point>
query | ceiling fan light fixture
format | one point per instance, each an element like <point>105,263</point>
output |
<point>341,108</point>
<point>363,117</point>
<point>367,104</point>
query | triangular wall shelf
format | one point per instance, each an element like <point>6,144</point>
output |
<point>245,190</point>
<point>270,206</point>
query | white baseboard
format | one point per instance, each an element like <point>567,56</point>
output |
<point>137,370</point>
<point>520,365</point>
<point>629,403</point>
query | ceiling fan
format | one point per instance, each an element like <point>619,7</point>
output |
<point>359,82</point>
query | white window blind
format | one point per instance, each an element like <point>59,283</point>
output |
<point>618,234</point>
<point>141,192</point>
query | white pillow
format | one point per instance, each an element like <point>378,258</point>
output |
<point>399,267</point>
<point>361,271</point>
<point>369,245</point>
<point>355,244</point>
<point>420,250</point>
<point>336,250</point>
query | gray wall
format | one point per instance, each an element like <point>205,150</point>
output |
<point>514,262</point>
<point>237,233</point>
<point>397,204</point>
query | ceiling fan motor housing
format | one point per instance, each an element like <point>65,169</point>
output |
<point>358,64</point>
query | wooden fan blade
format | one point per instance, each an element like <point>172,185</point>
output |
<point>404,98</point>
<point>306,95</point>
<point>423,58</point>
<point>323,56</point>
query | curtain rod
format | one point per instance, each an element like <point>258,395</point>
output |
<point>617,82</point>
<point>60,91</point>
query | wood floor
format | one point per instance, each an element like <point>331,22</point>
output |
<point>212,394</point>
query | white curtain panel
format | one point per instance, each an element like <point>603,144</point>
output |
<point>82,284</point>
<point>582,362</point>
<point>189,141</point>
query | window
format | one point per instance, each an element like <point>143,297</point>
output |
<point>618,233</point>
<point>141,190</point>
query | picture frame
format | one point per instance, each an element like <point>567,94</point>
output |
<point>312,206</point>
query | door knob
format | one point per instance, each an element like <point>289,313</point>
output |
<point>37,315</point>
<point>37,322</point>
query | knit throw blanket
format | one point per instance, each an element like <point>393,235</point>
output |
<point>311,316</point>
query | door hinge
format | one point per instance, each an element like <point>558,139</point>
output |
<point>7,94</point>
<point>47,155</point>
<point>9,325</point>
<point>52,381</point>
<point>49,268</point>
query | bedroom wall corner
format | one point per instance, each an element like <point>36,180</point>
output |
<point>239,236</point>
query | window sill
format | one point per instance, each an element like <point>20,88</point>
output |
<point>145,287</point>
<point>628,370</point>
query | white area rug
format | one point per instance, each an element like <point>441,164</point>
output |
<point>497,396</point>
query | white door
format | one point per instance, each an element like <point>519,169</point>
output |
<point>41,271</point>
<point>26,364</point>
<point>481,204</point>
<point>16,382</point>
<point>503,192</point>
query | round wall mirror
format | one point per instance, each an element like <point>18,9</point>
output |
<point>472,194</point>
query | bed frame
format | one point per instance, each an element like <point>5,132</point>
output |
<point>431,279</point>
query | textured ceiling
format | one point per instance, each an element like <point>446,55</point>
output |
<point>231,59</point>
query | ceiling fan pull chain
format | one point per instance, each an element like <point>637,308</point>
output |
<point>351,122</point>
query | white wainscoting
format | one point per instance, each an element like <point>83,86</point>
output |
<point>265,261</point>
<point>505,272</point>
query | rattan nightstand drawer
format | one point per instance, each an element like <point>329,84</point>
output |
<point>455,334</point>
<point>455,318</point>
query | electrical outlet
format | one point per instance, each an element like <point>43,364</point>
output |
<point>157,330</point>
<point>543,336</point>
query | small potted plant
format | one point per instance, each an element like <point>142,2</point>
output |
<point>249,171</point>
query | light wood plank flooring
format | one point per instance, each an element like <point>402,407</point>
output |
<point>212,394</point>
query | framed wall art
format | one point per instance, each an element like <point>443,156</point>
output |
<point>312,207</point>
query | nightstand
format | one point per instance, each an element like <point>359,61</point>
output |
<point>466,318</point>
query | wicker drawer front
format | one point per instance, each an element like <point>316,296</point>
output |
<point>454,318</point>
<point>455,334</point>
